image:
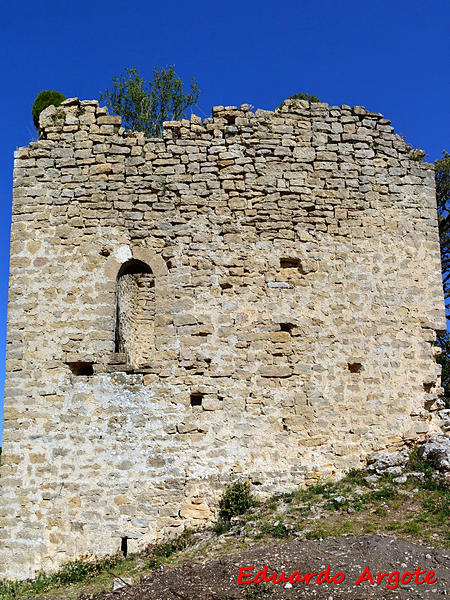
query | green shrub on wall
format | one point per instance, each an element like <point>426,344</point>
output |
<point>301,96</point>
<point>44,99</point>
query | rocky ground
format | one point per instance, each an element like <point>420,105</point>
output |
<point>217,579</point>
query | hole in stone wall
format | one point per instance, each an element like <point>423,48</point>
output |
<point>428,386</point>
<point>355,367</point>
<point>81,368</point>
<point>124,546</point>
<point>290,263</point>
<point>287,327</point>
<point>196,399</point>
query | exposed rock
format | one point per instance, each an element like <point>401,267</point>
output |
<point>121,582</point>
<point>390,462</point>
<point>436,450</point>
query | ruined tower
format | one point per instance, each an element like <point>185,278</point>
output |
<point>253,296</point>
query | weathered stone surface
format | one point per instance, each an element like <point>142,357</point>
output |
<point>389,462</point>
<point>255,295</point>
<point>121,582</point>
<point>436,450</point>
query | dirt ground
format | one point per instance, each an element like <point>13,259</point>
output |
<point>217,579</point>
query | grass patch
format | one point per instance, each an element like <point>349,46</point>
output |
<point>75,571</point>
<point>257,590</point>
<point>96,573</point>
<point>159,553</point>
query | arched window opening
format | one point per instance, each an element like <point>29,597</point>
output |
<point>135,312</point>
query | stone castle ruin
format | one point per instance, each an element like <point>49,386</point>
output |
<point>254,296</point>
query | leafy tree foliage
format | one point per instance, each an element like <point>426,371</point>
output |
<point>443,340</point>
<point>144,106</point>
<point>442,178</point>
<point>44,99</point>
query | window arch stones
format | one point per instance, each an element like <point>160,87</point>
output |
<point>135,273</point>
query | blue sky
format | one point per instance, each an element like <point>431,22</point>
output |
<point>390,56</point>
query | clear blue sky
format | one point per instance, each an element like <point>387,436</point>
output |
<point>390,56</point>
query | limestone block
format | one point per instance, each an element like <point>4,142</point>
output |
<point>281,370</point>
<point>195,511</point>
<point>211,402</point>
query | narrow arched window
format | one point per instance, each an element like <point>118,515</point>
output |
<point>135,312</point>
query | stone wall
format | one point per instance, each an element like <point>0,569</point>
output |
<point>297,291</point>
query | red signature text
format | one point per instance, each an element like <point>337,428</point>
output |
<point>390,580</point>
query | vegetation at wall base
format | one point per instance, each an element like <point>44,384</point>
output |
<point>235,501</point>
<point>144,106</point>
<point>416,509</point>
<point>159,553</point>
<point>72,572</point>
<point>44,99</point>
